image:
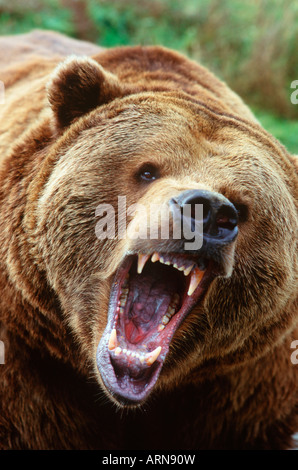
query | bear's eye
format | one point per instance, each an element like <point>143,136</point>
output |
<point>147,173</point>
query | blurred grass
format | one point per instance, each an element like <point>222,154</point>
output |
<point>251,44</point>
<point>285,130</point>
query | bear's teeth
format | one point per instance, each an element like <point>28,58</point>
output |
<point>142,259</point>
<point>175,299</point>
<point>113,342</point>
<point>123,298</point>
<point>196,277</point>
<point>170,312</point>
<point>151,357</point>
<point>187,270</point>
<point>125,282</point>
<point>155,257</point>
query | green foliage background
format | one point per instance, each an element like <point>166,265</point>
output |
<point>251,44</point>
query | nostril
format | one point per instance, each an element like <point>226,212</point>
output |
<point>242,211</point>
<point>226,217</point>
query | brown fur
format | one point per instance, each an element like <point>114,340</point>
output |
<point>228,381</point>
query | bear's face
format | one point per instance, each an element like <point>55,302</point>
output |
<point>150,307</point>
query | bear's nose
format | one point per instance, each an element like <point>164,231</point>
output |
<point>218,216</point>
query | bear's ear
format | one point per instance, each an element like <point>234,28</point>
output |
<point>78,85</point>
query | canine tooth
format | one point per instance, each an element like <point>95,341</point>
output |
<point>118,350</point>
<point>142,358</point>
<point>141,262</point>
<point>187,270</point>
<point>113,343</point>
<point>151,357</point>
<point>154,257</point>
<point>196,277</point>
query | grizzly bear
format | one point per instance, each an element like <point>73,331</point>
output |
<point>117,336</point>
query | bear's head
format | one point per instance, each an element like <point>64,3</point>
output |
<point>166,226</point>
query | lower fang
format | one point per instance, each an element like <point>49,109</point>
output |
<point>113,343</point>
<point>151,357</point>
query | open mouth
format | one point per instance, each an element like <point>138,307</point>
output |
<point>150,298</point>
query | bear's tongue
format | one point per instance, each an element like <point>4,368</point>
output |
<point>137,344</point>
<point>149,300</point>
<point>145,301</point>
